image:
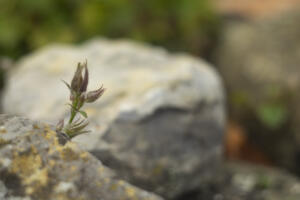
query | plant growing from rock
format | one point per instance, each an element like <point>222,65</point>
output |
<point>78,97</point>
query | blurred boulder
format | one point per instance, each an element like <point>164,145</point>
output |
<point>159,124</point>
<point>38,163</point>
<point>242,181</point>
<point>260,64</point>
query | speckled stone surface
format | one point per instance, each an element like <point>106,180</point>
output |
<point>245,181</point>
<point>37,163</point>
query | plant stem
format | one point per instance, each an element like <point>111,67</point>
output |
<point>73,111</point>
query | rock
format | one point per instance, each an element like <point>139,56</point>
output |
<point>160,122</point>
<point>240,181</point>
<point>260,64</point>
<point>38,163</point>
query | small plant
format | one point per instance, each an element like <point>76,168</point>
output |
<point>78,97</point>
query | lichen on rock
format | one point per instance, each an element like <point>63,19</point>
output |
<point>35,165</point>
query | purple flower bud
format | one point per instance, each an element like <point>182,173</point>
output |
<point>81,100</point>
<point>94,95</point>
<point>77,79</point>
<point>82,96</point>
<point>85,81</point>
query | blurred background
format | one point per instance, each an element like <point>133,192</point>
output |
<point>254,44</point>
<point>178,25</point>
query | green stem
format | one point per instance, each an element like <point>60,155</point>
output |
<point>73,111</point>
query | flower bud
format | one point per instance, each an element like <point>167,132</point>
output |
<point>81,99</point>
<point>94,95</point>
<point>77,79</point>
<point>85,81</point>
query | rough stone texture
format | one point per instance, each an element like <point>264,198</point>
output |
<point>160,123</point>
<point>260,64</point>
<point>35,164</point>
<point>242,181</point>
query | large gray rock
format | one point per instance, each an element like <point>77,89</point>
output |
<point>38,163</point>
<point>160,122</point>
<point>260,64</point>
<point>242,181</point>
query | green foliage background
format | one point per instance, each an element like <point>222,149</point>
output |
<point>187,25</point>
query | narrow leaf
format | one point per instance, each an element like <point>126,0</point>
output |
<point>83,113</point>
<point>67,84</point>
